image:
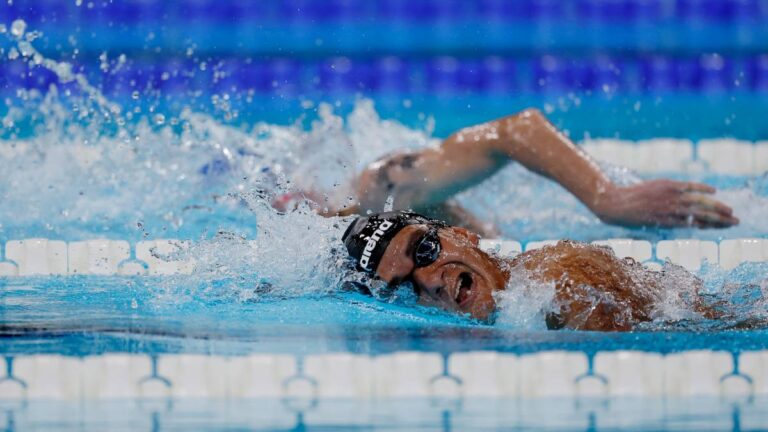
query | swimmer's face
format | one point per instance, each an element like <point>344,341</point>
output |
<point>462,279</point>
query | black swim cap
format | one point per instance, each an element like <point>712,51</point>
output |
<point>367,237</point>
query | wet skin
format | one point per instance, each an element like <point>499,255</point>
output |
<point>462,279</point>
<point>594,289</point>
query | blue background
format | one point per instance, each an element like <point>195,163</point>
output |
<point>586,62</point>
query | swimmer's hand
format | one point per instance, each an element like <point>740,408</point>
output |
<point>664,203</point>
<point>315,201</point>
<point>290,201</point>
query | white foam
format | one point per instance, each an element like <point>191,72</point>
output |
<point>524,302</point>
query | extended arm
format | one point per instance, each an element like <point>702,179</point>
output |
<point>469,156</point>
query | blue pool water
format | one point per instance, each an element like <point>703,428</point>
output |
<point>142,120</point>
<point>634,414</point>
<point>175,135</point>
<point>86,315</point>
<point>150,131</point>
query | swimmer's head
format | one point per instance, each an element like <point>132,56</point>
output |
<point>444,263</point>
<point>367,237</point>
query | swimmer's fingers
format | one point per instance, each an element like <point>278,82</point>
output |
<point>695,187</point>
<point>702,211</point>
<point>710,219</point>
<point>709,225</point>
<point>703,218</point>
<point>705,202</point>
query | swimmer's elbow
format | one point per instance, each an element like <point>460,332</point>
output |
<point>528,116</point>
<point>533,113</point>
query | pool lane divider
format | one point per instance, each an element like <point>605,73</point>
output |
<point>719,156</point>
<point>342,375</point>
<point>741,375</point>
<point>722,156</point>
<point>105,257</point>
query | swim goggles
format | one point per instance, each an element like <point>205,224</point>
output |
<point>427,248</point>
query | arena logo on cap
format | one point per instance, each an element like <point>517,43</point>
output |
<point>373,240</point>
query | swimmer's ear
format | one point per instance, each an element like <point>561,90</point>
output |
<point>467,234</point>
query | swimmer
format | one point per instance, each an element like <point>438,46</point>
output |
<point>593,289</point>
<point>425,180</point>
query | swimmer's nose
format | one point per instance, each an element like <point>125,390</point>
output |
<point>432,287</point>
<point>431,298</point>
<point>435,293</point>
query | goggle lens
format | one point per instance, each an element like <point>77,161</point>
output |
<point>427,249</point>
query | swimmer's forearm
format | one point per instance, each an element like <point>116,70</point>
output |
<point>534,142</point>
<point>473,154</point>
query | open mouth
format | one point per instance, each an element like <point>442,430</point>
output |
<point>465,287</point>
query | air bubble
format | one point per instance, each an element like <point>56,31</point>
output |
<point>135,95</point>
<point>18,28</point>
<point>26,48</point>
<point>159,119</point>
<point>389,204</point>
<point>104,62</point>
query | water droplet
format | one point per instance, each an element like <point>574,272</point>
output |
<point>13,54</point>
<point>159,119</point>
<point>26,48</point>
<point>103,62</point>
<point>389,204</point>
<point>18,28</point>
<point>135,94</point>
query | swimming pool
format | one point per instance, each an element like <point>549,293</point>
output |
<point>147,284</point>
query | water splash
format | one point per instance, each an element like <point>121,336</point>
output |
<point>82,170</point>
<point>87,167</point>
<point>739,298</point>
<point>93,170</point>
<point>271,266</point>
<point>524,303</point>
<point>63,70</point>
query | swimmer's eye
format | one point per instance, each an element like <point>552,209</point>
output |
<point>427,248</point>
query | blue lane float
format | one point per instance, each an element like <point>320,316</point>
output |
<point>439,74</point>
<point>134,11</point>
